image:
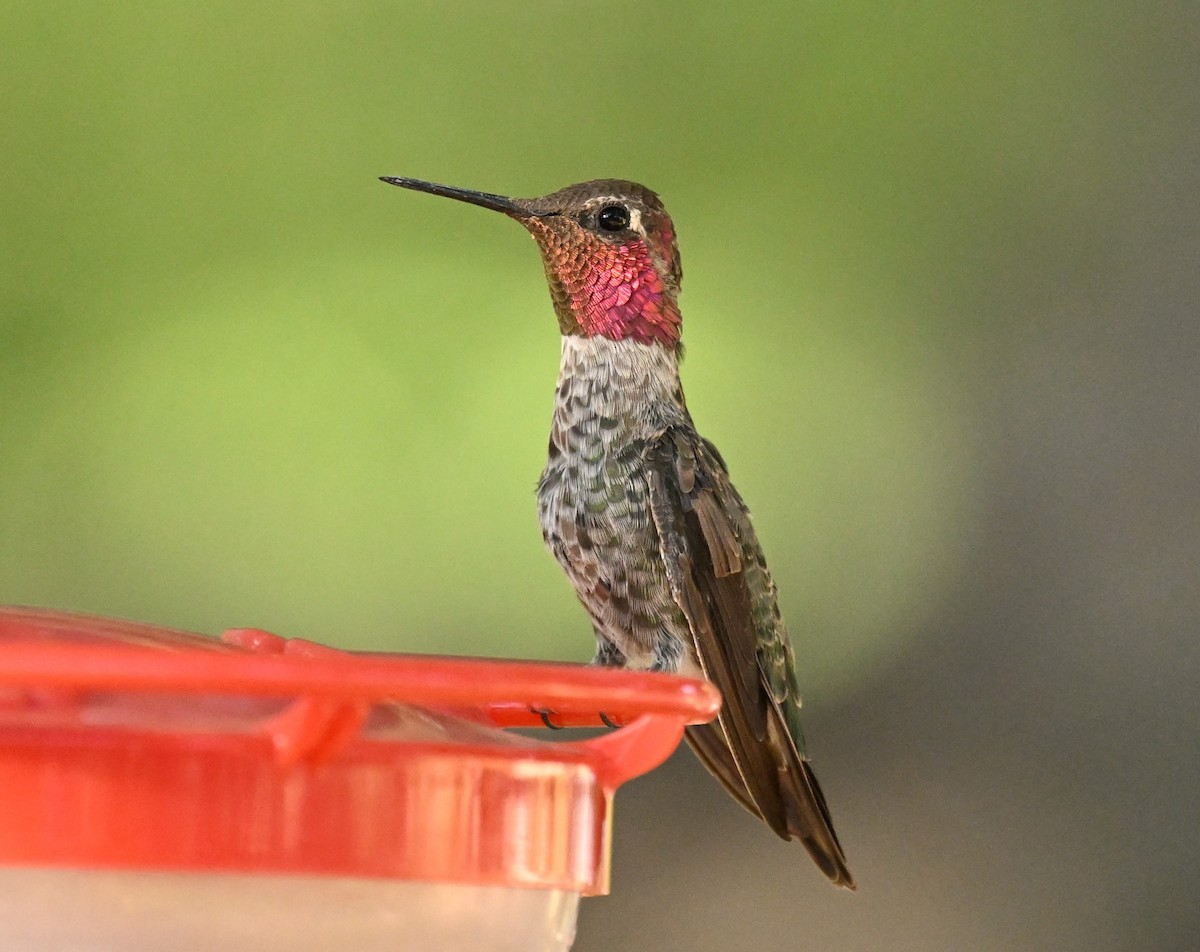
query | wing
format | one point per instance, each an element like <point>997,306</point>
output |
<point>705,542</point>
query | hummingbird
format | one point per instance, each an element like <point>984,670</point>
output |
<point>638,508</point>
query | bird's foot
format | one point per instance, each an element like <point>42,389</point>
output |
<point>545,714</point>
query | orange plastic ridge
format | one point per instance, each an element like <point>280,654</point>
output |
<point>504,690</point>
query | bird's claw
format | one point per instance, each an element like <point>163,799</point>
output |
<point>544,714</point>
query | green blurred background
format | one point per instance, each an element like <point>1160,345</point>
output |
<point>940,300</point>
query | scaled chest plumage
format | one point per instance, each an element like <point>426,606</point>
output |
<point>593,501</point>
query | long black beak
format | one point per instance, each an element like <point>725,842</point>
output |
<point>484,199</point>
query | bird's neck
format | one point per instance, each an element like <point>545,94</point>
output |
<point>597,370</point>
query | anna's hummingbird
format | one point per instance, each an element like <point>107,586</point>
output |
<point>638,507</point>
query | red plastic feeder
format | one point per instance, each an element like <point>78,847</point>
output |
<point>160,789</point>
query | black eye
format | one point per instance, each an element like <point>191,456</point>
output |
<point>613,218</point>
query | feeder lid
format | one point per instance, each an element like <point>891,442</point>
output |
<point>124,745</point>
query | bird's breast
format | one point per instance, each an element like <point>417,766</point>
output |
<point>593,500</point>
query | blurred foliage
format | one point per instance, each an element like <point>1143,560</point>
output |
<point>244,383</point>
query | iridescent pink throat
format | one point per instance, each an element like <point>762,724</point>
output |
<point>613,291</point>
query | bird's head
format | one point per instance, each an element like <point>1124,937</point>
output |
<point>610,254</point>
